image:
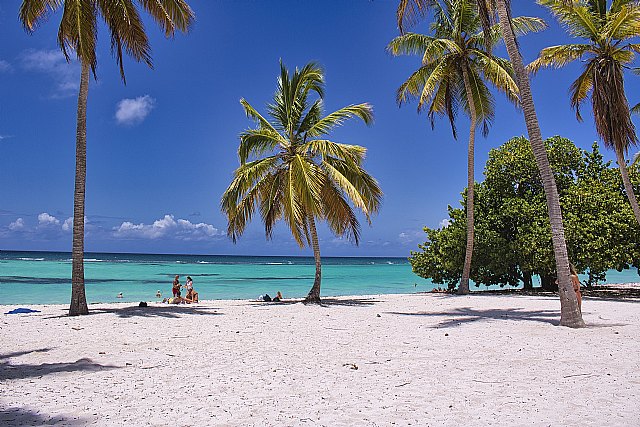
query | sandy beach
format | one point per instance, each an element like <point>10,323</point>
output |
<point>419,359</point>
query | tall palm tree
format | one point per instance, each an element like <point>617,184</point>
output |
<point>455,66</point>
<point>410,11</point>
<point>78,32</point>
<point>606,52</point>
<point>289,171</point>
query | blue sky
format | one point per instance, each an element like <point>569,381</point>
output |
<point>162,149</point>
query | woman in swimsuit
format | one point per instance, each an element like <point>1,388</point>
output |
<point>576,284</point>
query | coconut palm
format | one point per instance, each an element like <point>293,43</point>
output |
<point>408,13</point>
<point>78,32</point>
<point>605,54</point>
<point>455,66</point>
<point>289,170</point>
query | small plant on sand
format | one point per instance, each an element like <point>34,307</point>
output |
<point>289,171</point>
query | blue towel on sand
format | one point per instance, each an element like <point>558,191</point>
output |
<point>22,310</point>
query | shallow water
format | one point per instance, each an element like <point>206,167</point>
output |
<point>45,277</point>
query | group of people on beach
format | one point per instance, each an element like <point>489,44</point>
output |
<point>176,288</point>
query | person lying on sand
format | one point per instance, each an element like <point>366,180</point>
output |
<point>267,298</point>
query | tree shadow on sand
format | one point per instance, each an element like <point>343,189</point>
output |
<point>28,417</point>
<point>22,353</point>
<point>349,302</point>
<point>458,316</point>
<point>172,311</point>
<point>9,371</point>
<point>325,302</point>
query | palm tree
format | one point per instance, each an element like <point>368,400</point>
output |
<point>454,62</point>
<point>409,11</point>
<point>78,32</point>
<point>607,53</point>
<point>289,171</point>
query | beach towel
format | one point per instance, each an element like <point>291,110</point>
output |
<point>22,310</point>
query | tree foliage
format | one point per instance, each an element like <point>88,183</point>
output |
<point>513,237</point>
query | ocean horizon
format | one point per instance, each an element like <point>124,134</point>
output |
<point>42,277</point>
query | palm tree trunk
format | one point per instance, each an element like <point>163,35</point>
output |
<point>628,187</point>
<point>78,298</point>
<point>314,293</point>
<point>466,271</point>
<point>570,312</point>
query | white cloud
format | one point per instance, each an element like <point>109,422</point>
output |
<point>46,220</point>
<point>17,225</point>
<point>134,111</point>
<point>167,227</point>
<point>52,62</point>
<point>409,237</point>
<point>444,223</point>
<point>4,66</point>
<point>68,224</point>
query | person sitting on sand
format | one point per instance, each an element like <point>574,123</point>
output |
<point>277,298</point>
<point>192,295</point>
<point>176,286</point>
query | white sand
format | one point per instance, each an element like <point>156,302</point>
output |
<point>428,360</point>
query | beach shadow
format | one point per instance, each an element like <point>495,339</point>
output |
<point>27,417</point>
<point>462,315</point>
<point>22,353</point>
<point>9,371</point>
<point>349,302</point>
<point>275,304</point>
<point>324,302</point>
<point>171,311</point>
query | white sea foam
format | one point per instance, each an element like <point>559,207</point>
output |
<point>31,259</point>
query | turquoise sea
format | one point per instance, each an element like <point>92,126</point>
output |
<point>45,277</point>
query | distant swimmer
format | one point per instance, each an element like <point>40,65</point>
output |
<point>120,295</point>
<point>158,294</point>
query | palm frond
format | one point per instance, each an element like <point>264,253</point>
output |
<point>499,72</point>
<point>252,113</point>
<point>78,31</point>
<point>581,87</point>
<point>337,118</point>
<point>326,148</point>
<point>255,142</point>
<point>559,56</point>
<point>361,188</point>
<point>338,213</point>
<point>170,14</point>
<point>127,30</point>
<point>577,18</point>
<point>623,24</point>
<point>33,12</point>
<point>409,12</point>
<point>419,44</point>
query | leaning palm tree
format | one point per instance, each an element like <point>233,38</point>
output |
<point>408,13</point>
<point>455,69</point>
<point>289,171</point>
<point>605,54</point>
<point>78,32</point>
